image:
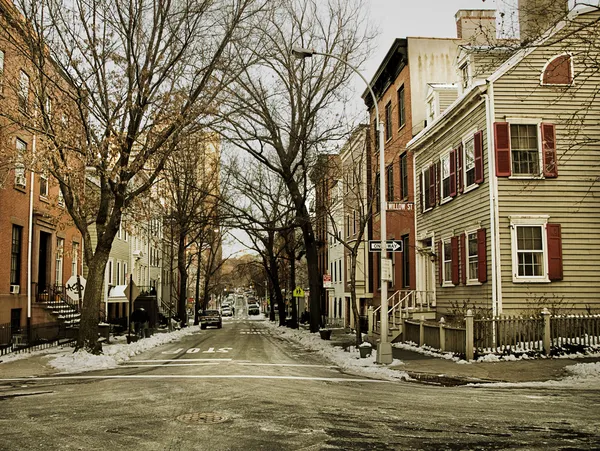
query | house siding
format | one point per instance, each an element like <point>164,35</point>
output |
<point>573,198</point>
<point>467,211</point>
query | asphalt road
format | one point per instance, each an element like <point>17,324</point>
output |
<point>241,388</point>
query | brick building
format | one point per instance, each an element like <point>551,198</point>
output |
<point>39,246</point>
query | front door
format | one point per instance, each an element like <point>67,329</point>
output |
<point>426,273</point>
<point>43,263</point>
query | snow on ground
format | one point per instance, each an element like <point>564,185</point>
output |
<point>114,353</point>
<point>348,360</point>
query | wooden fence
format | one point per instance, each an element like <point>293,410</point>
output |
<point>506,334</point>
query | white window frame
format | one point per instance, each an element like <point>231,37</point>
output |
<point>445,159</point>
<point>110,273</point>
<point>75,256</point>
<point>20,178</point>
<point>469,257</point>
<point>526,121</point>
<point>125,278</point>
<point>469,137</point>
<point>551,59</point>
<point>529,221</point>
<point>61,198</point>
<point>446,278</point>
<point>425,189</point>
<point>60,250</point>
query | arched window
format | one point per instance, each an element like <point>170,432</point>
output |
<point>558,71</point>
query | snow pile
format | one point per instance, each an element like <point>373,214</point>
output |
<point>426,350</point>
<point>585,370</point>
<point>348,360</point>
<point>113,354</point>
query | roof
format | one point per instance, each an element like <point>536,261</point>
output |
<point>393,62</point>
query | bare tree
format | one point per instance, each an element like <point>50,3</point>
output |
<point>281,111</point>
<point>133,77</point>
<point>265,211</point>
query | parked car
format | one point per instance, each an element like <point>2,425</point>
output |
<point>210,318</point>
<point>253,309</point>
<point>226,311</point>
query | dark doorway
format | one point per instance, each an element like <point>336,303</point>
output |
<point>15,321</point>
<point>43,263</point>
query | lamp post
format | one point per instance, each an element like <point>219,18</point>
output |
<point>384,347</point>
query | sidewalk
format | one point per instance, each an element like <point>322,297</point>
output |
<point>438,370</point>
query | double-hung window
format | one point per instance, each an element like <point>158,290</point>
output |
<point>401,110</point>
<point>388,121</point>
<point>445,176</point>
<point>536,249</point>
<point>524,150</point>
<point>60,248</point>
<point>390,182</point>
<point>403,177</point>
<point>23,92</point>
<point>20,179</point>
<point>44,186</point>
<point>447,263</point>
<point>469,159</point>
<point>472,258</point>
<point>15,255</point>
<point>75,258</point>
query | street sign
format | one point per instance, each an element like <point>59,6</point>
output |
<point>132,291</point>
<point>408,206</point>
<point>72,288</point>
<point>386,273</point>
<point>298,292</point>
<point>391,246</point>
<point>326,280</point>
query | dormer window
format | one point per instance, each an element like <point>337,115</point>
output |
<point>558,71</point>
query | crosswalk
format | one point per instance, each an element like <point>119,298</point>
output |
<point>254,332</point>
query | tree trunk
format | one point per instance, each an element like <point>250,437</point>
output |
<point>355,310</point>
<point>197,305</point>
<point>271,303</point>
<point>292,258</point>
<point>87,338</point>
<point>274,274</point>
<point>181,266</point>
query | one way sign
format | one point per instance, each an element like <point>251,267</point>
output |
<point>391,246</point>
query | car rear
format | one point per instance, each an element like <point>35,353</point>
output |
<point>210,318</point>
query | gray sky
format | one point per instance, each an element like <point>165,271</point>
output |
<point>403,18</point>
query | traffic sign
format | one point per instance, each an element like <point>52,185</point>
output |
<point>75,287</point>
<point>298,292</point>
<point>391,246</point>
<point>409,206</point>
<point>326,280</point>
<point>131,291</point>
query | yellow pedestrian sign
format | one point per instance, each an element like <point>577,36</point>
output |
<point>298,292</point>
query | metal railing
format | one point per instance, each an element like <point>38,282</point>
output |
<point>401,303</point>
<point>34,337</point>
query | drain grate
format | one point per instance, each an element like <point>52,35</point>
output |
<point>202,418</point>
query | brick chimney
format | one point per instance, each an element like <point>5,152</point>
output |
<point>478,26</point>
<point>537,16</point>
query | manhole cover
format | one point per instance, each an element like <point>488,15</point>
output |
<point>202,418</point>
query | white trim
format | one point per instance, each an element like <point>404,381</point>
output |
<point>527,121</point>
<point>470,281</point>
<point>572,83</point>
<point>446,283</point>
<point>443,197</point>
<point>529,220</point>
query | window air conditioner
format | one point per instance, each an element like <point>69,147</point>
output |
<point>138,254</point>
<point>14,289</point>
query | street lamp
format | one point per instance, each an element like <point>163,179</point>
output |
<point>384,348</point>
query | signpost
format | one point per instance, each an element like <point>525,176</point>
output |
<point>75,288</point>
<point>391,246</point>
<point>326,280</point>
<point>131,293</point>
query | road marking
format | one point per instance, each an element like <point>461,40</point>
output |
<point>286,364</point>
<point>170,364</point>
<point>193,376</point>
<point>179,360</point>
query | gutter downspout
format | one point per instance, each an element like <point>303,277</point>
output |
<point>30,239</point>
<point>494,222</point>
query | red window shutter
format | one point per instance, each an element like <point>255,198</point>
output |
<point>459,168</point>
<point>478,154</point>
<point>438,182</point>
<point>423,192</point>
<point>502,138</point>
<point>481,256</point>
<point>453,173</point>
<point>432,185</point>
<point>454,246</point>
<point>555,265</point>
<point>440,262</point>
<point>463,259</point>
<point>549,149</point>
